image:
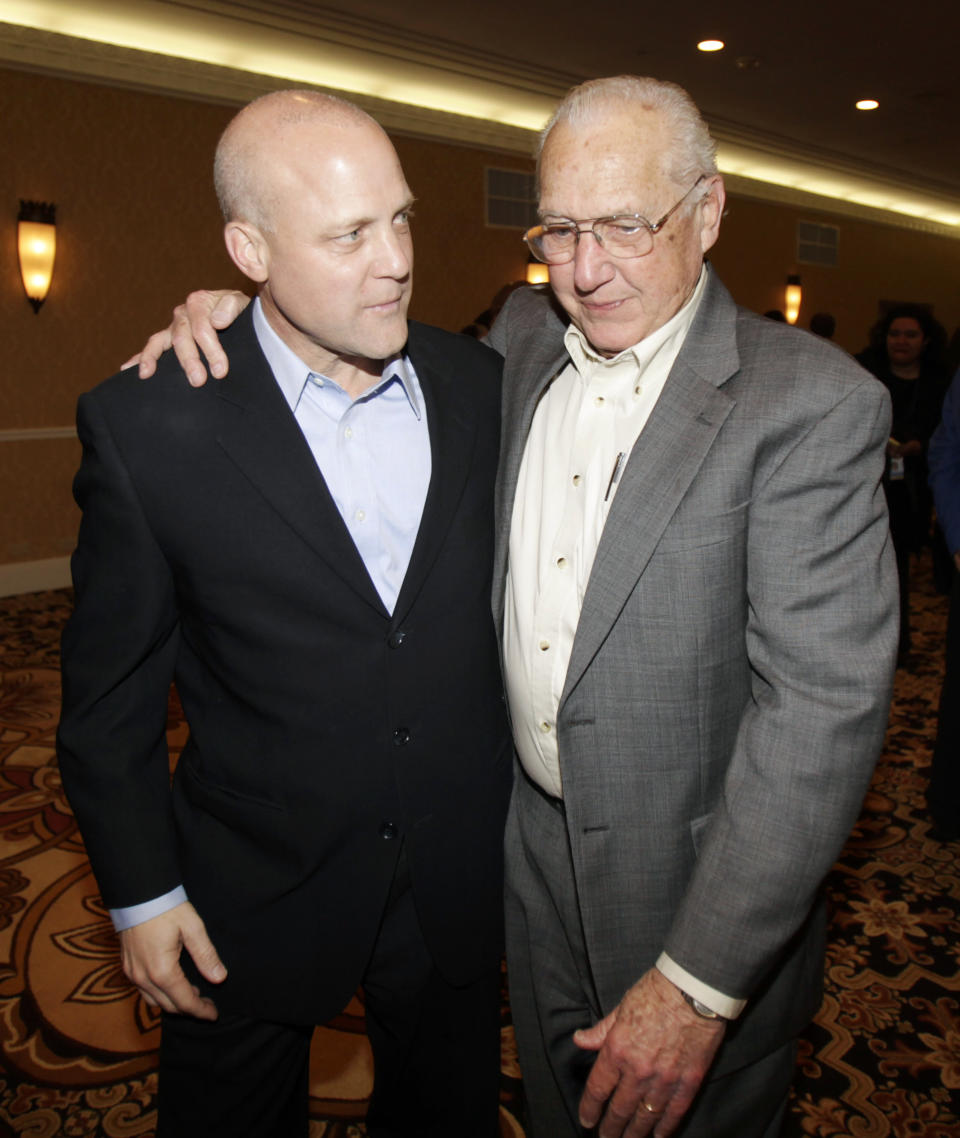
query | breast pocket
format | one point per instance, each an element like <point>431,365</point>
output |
<point>689,531</point>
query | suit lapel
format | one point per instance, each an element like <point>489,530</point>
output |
<point>663,463</point>
<point>452,441</point>
<point>258,432</point>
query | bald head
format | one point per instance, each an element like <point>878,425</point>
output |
<point>245,169</point>
<point>318,215</point>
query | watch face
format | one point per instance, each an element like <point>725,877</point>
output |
<point>701,1009</point>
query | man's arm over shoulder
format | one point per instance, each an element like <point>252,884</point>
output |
<point>821,638</point>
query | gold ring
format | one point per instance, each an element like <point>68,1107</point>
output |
<point>647,1106</point>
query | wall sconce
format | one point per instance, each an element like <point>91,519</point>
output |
<point>537,272</point>
<point>792,298</point>
<point>37,246</point>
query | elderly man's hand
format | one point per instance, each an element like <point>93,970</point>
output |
<point>195,324</point>
<point>150,954</point>
<point>654,1051</point>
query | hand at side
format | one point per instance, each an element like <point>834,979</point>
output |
<point>653,1053</point>
<point>150,954</point>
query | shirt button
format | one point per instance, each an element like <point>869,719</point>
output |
<point>544,728</point>
<point>544,645</point>
<point>561,562</point>
<point>599,401</point>
<point>388,831</point>
<point>395,639</point>
<point>348,433</point>
<point>577,479</point>
<point>401,737</point>
<point>638,390</point>
<point>361,516</point>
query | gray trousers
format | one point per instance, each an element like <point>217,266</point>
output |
<point>552,994</point>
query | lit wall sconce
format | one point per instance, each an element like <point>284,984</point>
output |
<point>537,272</point>
<point>792,298</point>
<point>37,246</point>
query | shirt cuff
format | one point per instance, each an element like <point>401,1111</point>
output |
<point>131,915</point>
<point>723,1005</point>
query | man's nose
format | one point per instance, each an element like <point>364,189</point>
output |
<point>592,263</point>
<point>396,254</point>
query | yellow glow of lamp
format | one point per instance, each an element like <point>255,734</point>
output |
<point>792,298</point>
<point>537,273</point>
<point>37,247</point>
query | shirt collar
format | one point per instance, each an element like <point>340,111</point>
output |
<point>585,358</point>
<point>292,374</point>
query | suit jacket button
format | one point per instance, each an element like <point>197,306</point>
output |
<point>388,831</point>
<point>395,639</point>
<point>401,737</point>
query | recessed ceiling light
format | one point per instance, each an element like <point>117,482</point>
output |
<point>710,45</point>
<point>867,104</point>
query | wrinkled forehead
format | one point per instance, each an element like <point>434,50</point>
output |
<point>611,163</point>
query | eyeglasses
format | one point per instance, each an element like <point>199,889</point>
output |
<point>626,235</point>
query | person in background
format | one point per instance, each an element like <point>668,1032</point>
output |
<point>823,324</point>
<point>905,355</point>
<point>943,458</point>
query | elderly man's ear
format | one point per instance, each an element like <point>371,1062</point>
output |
<point>248,249</point>
<point>711,213</point>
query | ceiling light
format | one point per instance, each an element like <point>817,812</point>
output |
<point>867,104</point>
<point>710,45</point>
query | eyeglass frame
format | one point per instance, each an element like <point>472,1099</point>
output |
<point>593,222</point>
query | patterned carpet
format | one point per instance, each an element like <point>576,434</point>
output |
<point>77,1044</point>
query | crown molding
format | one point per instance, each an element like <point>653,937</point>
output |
<point>751,188</point>
<point>49,53</point>
<point>757,165</point>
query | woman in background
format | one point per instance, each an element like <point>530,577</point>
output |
<point>905,354</point>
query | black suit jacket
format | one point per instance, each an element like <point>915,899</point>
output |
<point>322,729</point>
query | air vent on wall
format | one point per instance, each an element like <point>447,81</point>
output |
<point>817,244</point>
<point>511,199</point>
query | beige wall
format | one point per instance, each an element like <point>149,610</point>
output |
<point>757,250</point>
<point>138,227</point>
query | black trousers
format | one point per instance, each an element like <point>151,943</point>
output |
<point>436,1053</point>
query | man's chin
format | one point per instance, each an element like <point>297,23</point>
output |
<point>387,338</point>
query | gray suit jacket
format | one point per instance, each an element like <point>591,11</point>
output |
<point>730,679</point>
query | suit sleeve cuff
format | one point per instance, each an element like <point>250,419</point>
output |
<point>718,1002</point>
<point>131,915</point>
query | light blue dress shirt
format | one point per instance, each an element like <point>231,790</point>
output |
<point>374,455</point>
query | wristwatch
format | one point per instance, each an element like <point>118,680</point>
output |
<point>701,1009</point>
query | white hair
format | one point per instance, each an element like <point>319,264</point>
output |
<point>692,151</point>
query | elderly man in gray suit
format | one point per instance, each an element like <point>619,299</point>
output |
<point>698,606</point>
